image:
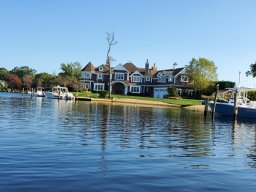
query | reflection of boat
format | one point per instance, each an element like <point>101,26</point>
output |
<point>246,108</point>
<point>59,93</point>
<point>40,92</point>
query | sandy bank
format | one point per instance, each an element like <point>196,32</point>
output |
<point>138,102</point>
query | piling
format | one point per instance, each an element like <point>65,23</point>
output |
<point>215,100</point>
<point>235,105</point>
<point>206,107</point>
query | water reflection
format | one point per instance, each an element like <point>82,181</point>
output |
<point>102,145</point>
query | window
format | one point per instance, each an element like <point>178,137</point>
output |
<point>135,89</point>
<point>99,76</point>
<point>184,78</point>
<point>170,78</point>
<point>119,76</point>
<point>162,79</point>
<point>147,78</point>
<point>98,86</point>
<point>87,75</point>
<point>136,79</point>
<point>100,68</point>
<point>85,85</point>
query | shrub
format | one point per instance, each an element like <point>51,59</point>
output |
<point>251,95</point>
<point>103,93</point>
<point>172,92</point>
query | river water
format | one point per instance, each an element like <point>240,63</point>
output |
<point>50,145</point>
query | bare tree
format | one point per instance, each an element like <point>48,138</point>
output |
<point>111,41</point>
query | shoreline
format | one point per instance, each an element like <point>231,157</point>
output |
<point>137,102</point>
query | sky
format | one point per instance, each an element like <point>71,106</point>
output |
<point>42,34</point>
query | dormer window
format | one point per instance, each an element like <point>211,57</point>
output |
<point>100,68</point>
<point>184,78</point>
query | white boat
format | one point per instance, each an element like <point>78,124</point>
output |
<point>59,93</point>
<point>39,92</point>
<point>246,108</point>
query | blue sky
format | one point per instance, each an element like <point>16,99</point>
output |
<point>42,34</point>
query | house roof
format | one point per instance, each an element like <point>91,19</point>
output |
<point>89,67</point>
<point>130,67</point>
<point>104,67</point>
<point>170,71</point>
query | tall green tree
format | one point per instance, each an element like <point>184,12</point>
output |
<point>44,80</point>
<point>22,71</point>
<point>3,73</point>
<point>201,73</point>
<point>71,70</point>
<point>252,70</point>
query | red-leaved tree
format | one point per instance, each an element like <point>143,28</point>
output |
<point>14,81</point>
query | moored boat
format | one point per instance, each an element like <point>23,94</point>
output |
<point>59,93</point>
<point>40,92</point>
<point>246,108</point>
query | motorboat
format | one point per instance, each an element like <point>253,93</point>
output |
<point>39,92</point>
<point>59,92</point>
<point>246,108</point>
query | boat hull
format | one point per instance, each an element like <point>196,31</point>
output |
<point>227,109</point>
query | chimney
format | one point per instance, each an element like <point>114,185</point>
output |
<point>154,68</point>
<point>147,66</point>
<point>174,65</point>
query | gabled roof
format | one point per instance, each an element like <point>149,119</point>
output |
<point>119,67</point>
<point>104,67</point>
<point>178,70</point>
<point>89,67</point>
<point>130,67</point>
<point>170,71</point>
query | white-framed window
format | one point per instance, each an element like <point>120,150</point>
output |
<point>135,89</point>
<point>162,79</point>
<point>119,76</point>
<point>98,86</point>
<point>99,76</point>
<point>136,78</point>
<point>85,85</point>
<point>100,68</point>
<point>148,78</point>
<point>170,78</point>
<point>88,75</point>
<point>184,78</point>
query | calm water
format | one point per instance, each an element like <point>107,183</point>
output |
<point>51,145</point>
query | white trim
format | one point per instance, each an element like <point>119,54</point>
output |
<point>183,78</point>
<point>121,74</point>
<point>99,76</point>
<point>135,87</point>
<point>88,75</point>
<point>98,86</point>
<point>147,79</point>
<point>136,78</point>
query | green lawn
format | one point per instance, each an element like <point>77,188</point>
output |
<point>170,101</point>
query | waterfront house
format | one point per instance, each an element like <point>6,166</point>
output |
<point>130,79</point>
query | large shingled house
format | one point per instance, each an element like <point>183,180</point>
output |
<point>130,79</point>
